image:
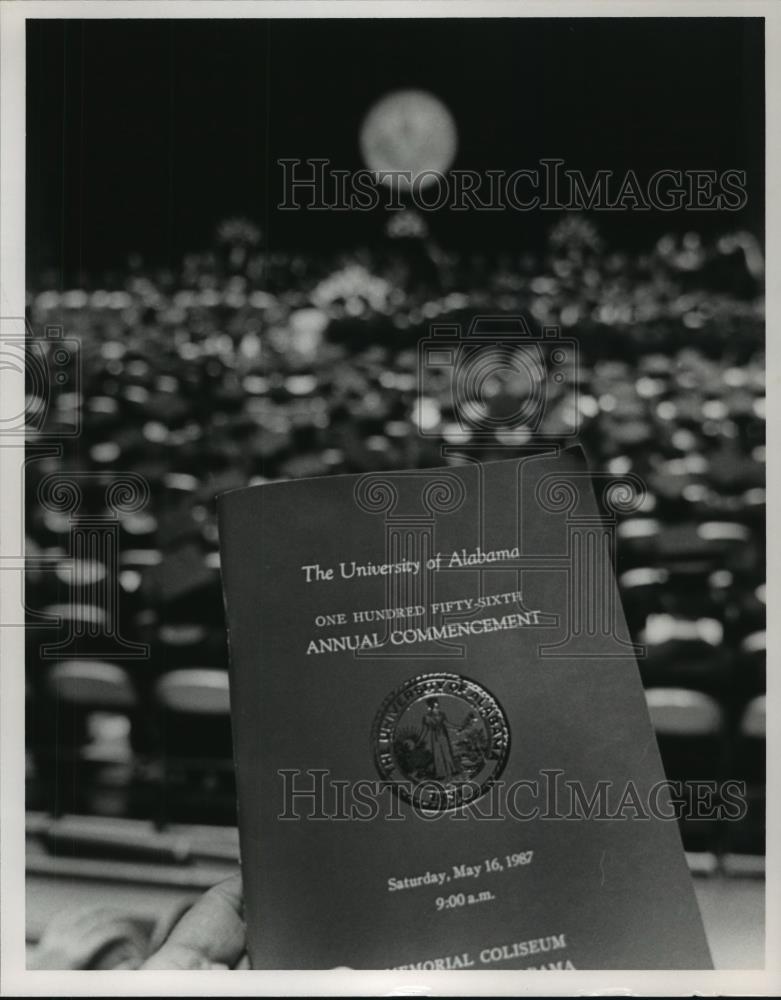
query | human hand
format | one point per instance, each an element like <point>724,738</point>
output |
<point>210,935</point>
<point>90,937</point>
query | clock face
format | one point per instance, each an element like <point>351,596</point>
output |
<point>409,130</point>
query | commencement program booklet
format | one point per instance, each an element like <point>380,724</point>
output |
<point>444,757</point>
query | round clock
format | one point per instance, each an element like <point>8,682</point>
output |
<point>411,131</point>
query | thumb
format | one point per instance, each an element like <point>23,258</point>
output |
<point>210,935</point>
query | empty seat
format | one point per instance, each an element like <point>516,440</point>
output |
<point>753,725</point>
<point>82,630</point>
<point>678,711</point>
<point>185,586</point>
<point>689,727</point>
<point>83,726</point>
<point>724,534</point>
<point>636,541</point>
<point>195,691</point>
<point>178,488</point>
<point>686,653</point>
<point>139,529</point>
<point>682,542</point>
<point>82,581</point>
<point>689,593</point>
<point>751,610</point>
<point>77,629</point>
<point>750,672</point>
<point>197,753</point>
<point>730,543</point>
<point>92,683</point>
<point>752,509</point>
<point>641,589</point>
<point>177,644</point>
<point>746,835</point>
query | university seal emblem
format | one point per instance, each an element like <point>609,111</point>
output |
<point>441,740</point>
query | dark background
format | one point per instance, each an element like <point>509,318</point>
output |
<point>143,135</point>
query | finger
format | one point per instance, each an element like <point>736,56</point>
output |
<point>75,943</point>
<point>230,892</point>
<point>212,931</point>
<point>177,957</point>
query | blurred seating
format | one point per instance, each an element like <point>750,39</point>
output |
<point>746,835</point>
<point>81,732</point>
<point>196,746</point>
<point>207,377</point>
<point>690,729</point>
<point>636,541</point>
<point>641,589</point>
<point>685,653</point>
<point>184,586</point>
<point>689,592</point>
<point>751,668</point>
<point>77,582</point>
<point>76,629</point>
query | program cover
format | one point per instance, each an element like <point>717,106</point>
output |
<point>466,777</point>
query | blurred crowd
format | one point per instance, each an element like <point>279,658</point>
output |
<point>247,365</point>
